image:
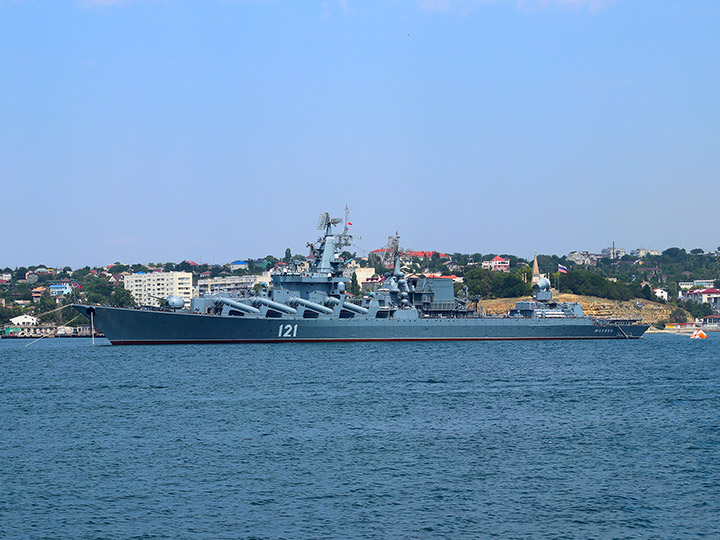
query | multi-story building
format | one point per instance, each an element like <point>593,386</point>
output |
<point>698,283</point>
<point>613,252</point>
<point>705,296</point>
<point>230,284</point>
<point>362,274</point>
<point>151,289</point>
<point>238,265</point>
<point>642,252</point>
<point>37,293</point>
<point>582,257</point>
<point>498,264</point>
<point>60,288</point>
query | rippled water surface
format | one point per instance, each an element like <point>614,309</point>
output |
<point>294,441</point>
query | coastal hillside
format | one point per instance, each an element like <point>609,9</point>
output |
<point>649,312</point>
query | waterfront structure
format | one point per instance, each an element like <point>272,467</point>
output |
<point>24,320</point>
<point>152,289</point>
<point>711,321</point>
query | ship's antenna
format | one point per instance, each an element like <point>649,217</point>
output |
<point>392,251</point>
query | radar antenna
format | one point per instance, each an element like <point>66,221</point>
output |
<point>392,250</point>
<point>323,221</point>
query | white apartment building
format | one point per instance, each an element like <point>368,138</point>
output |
<point>148,289</point>
<point>613,252</point>
<point>362,274</point>
<point>642,252</point>
<point>704,283</point>
<point>230,284</point>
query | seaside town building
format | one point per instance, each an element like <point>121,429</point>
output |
<point>238,265</point>
<point>230,284</point>
<point>613,252</point>
<point>497,264</point>
<point>661,294</point>
<point>362,274</point>
<point>643,252</point>
<point>704,296</point>
<point>151,289</point>
<point>24,320</point>
<point>582,257</point>
<point>37,292</point>
<point>60,288</point>
<point>406,256</point>
<point>698,283</point>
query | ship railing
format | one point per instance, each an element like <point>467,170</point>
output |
<point>619,322</point>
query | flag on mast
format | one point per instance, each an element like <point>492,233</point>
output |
<point>562,269</point>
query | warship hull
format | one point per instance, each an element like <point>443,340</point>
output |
<point>127,326</point>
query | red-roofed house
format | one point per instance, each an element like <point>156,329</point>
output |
<point>704,296</point>
<point>453,277</point>
<point>418,254</point>
<point>498,264</point>
<point>37,292</point>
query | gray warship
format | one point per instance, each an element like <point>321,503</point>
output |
<point>314,306</point>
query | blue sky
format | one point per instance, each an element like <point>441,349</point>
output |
<point>148,131</point>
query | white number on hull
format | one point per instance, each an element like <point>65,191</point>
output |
<point>287,330</point>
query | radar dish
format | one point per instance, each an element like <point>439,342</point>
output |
<point>175,302</point>
<point>543,284</point>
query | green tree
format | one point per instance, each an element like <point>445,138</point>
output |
<point>489,284</point>
<point>354,285</point>
<point>44,304</point>
<point>97,291</point>
<point>121,297</point>
<point>678,315</point>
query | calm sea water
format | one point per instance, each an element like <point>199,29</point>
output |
<point>343,441</point>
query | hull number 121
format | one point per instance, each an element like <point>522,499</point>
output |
<point>287,330</point>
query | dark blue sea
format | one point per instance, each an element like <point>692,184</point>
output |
<point>526,440</point>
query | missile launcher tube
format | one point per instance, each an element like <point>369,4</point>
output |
<point>238,305</point>
<point>294,300</point>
